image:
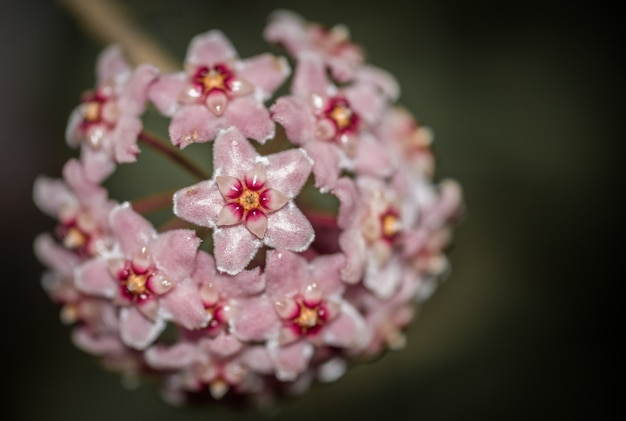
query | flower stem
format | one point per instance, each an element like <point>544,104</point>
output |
<point>173,154</point>
<point>153,202</point>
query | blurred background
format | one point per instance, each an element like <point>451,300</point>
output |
<point>521,97</point>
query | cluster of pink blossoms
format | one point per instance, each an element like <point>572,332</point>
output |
<point>320,251</point>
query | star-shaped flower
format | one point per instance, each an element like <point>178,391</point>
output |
<point>107,121</point>
<point>147,275</point>
<point>248,202</point>
<point>218,90</point>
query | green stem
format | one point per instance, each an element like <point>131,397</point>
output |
<point>173,154</point>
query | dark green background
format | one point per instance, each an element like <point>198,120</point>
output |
<point>521,96</point>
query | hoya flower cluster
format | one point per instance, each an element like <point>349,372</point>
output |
<point>305,246</point>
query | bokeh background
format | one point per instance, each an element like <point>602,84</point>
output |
<point>521,97</point>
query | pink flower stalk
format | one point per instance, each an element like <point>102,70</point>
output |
<point>218,91</point>
<point>313,230</point>
<point>107,121</point>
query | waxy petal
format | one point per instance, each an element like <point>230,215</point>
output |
<point>255,178</point>
<point>54,255</point>
<point>124,139</point>
<point>310,76</point>
<point>291,360</point>
<point>230,187</point>
<point>346,191</point>
<point>173,357</point>
<point>250,117</point>
<point>287,171</point>
<point>231,214</point>
<point>95,343</point>
<point>348,330</point>
<point>234,248</point>
<point>256,222</point>
<point>111,65</point>
<point>165,92</point>
<point>210,48</point>
<point>265,72</point>
<point>174,253</point>
<point>136,330</point>
<point>192,124</point>
<point>326,272</point>
<point>200,203</point>
<point>233,154</point>
<point>296,117</point>
<point>131,230</point>
<point>132,101</point>
<point>326,164</point>
<point>286,274</point>
<point>254,319</point>
<point>184,306</point>
<point>288,228</point>
<point>94,277</point>
<point>273,200</point>
<point>217,101</point>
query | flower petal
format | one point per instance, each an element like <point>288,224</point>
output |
<point>256,222</point>
<point>250,117</point>
<point>94,277</point>
<point>166,90</point>
<point>54,256</point>
<point>310,76</point>
<point>266,72</point>
<point>96,343</point>
<point>174,253</point>
<point>326,159</point>
<point>233,154</point>
<point>326,272</point>
<point>192,124</point>
<point>176,356</point>
<point>210,48</point>
<point>234,248</point>
<point>254,319</point>
<point>124,139</point>
<point>291,360</point>
<point>272,199</point>
<point>231,214</point>
<point>184,305</point>
<point>131,230</point>
<point>255,178</point>
<point>348,330</point>
<point>346,191</point>
<point>136,330</point>
<point>111,65</point>
<point>296,117</point>
<point>288,228</point>
<point>200,203</point>
<point>132,100</point>
<point>286,274</point>
<point>230,187</point>
<point>287,171</point>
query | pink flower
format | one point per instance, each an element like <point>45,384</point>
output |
<point>333,45</point>
<point>409,142</point>
<point>332,125</point>
<point>217,91</point>
<point>147,274</point>
<point>308,298</point>
<point>107,121</point>
<point>371,215</point>
<point>203,364</point>
<point>249,201</point>
<point>80,206</point>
